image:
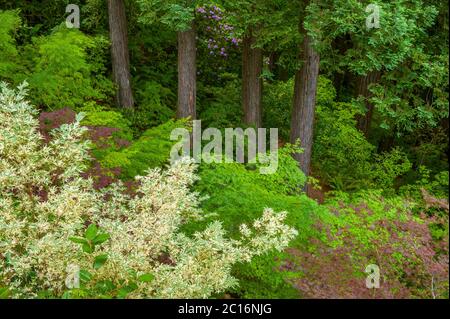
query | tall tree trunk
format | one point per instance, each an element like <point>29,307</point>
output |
<point>362,88</point>
<point>302,125</point>
<point>119,52</point>
<point>252,62</point>
<point>187,74</point>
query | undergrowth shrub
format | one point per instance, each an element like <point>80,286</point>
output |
<point>109,130</point>
<point>220,107</point>
<point>153,107</point>
<point>366,228</point>
<point>277,104</point>
<point>9,64</point>
<point>236,194</point>
<point>68,69</point>
<point>346,160</point>
<point>437,185</point>
<point>151,150</point>
<point>342,155</point>
<point>53,221</point>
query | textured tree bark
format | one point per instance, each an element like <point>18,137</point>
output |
<point>252,61</point>
<point>302,125</point>
<point>187,74</point>
<point>119,53</point>
<point>363,83</point>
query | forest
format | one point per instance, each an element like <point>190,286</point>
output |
<point>352,94</point>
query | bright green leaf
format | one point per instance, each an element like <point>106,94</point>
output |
<point>91,232</point>
<point>100,239</point>
<point>100,261</point>
<point>77,240</point>
<point>146,277</point>
<point>87,248</point>
<point>85,275</point>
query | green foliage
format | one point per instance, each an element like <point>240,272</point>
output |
<point>409,50</point>
<point>388,166</point>
<point>110,130</point>
<point>236,194</point>
<point>437,185</point>
<point>104,288</point>
<point>386,47</point>
<point>151,150</point>
<point>278,99</point>
<point>220,107</point>
<point>153,58</point>
<point>174,14</point>
<point>430,149</point>
<point>38,16</point>
<point>90,240</point>
<point>341,153</point>
<point>374,208</point>
<point>277,104</point>
<point>389,187</point>
<point>9,23</point>
<point>367,228</point>
<point>69,69</point>
<point>95,16</point>
<point>45,205</point>
<point>97,115</point>
<point>153,108</point>
<point>413,97</point>
<point>288,178</point>
<point>4,293</point>
<point>345,159</point>
<point>342,156</point>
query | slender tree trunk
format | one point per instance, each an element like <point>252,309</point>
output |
<point>252,61</point>
<point>187,74</point>
<point>302,125</point>
<point>119,53</point>
<point>363,83</point>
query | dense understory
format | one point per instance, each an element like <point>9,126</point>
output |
<point>84,153</point>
